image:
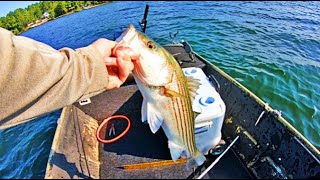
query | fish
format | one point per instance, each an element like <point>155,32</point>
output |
<point>167,94</point>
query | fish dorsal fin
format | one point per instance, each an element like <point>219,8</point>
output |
<point>193,86</point>
<point>195,114</point>
<point>175,150</point>
<point>154,118</point>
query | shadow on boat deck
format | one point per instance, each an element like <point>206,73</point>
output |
<point>139,141</point>
<point>61,161</point>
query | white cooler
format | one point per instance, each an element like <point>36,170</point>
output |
<point>212,110</point>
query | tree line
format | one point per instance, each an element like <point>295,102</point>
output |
<point>17,21</point>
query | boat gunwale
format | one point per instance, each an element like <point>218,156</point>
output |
<point>55,141</point>
<point>267,107</point>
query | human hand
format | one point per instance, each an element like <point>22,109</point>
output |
<point>118,64</point>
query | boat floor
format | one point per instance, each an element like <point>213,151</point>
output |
<point>140,145</point>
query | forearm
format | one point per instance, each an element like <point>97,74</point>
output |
<point>36,79</point>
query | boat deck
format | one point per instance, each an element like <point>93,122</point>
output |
<point>140,145</point>
<point>270,148</point>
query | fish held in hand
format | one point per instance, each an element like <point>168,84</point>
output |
<point>167,95</point>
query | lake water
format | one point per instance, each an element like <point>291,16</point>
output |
<point>272,48</point>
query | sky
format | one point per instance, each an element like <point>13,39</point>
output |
<point>7,6</point>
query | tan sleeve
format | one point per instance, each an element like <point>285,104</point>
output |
<point>37,79</point>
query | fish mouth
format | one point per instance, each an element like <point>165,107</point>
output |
<point>125,38</point>
<point>124,33</point>
<point>122,45</point>
<point>138,71</point>
<point>124,42</point>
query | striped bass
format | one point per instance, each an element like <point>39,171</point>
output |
<point>167,95</point>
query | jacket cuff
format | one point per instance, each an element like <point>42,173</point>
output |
<point>100,77</point>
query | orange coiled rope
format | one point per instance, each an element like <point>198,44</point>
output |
<point>104,123</point>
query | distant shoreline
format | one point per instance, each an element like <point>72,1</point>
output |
<point>47,20</point>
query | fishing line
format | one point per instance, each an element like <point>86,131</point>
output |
<point>215,162</point>
<point>104,123</point>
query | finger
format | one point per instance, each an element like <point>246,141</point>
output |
<point>112,43</point>
<point>110,47</point>
<point>110,61</point>
<point>126,53</point>
<point>130,65</point>
<point>104,46</point>
<point>124,69</point>
<point>114,81</point>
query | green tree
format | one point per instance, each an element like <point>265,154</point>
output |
<point>69,6</point>
<point>94,2</point>
<point>12,23</point>
<point>77,5</point>
<point>59,10</point>
<point>1,21</point>
<point>34,11</point>
<point>45,6</point>
<point>18,20</point>
<point>21,16</point>
<point>87,3</point>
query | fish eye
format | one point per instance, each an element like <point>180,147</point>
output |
<point>151,45</point>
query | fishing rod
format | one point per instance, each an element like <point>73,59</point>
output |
<point>143,23</point>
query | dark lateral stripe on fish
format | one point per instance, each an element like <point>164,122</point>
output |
<point>191,124</point>
<point>175,109</point>
<point>188,119</point>
<point>185,121</point>
<point>182,116</point>
<point>179,119</point>
<point>177,115</point>
<point>190,129</point>
<point>185,124</point>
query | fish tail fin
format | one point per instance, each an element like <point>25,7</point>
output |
<point>196,160</point>
<point>175,150</point>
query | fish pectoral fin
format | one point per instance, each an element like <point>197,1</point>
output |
<point>193,86</point>
<point>154,118</point>
<point>144,111</point>
<point>175,150</point>
<point>170,93</point>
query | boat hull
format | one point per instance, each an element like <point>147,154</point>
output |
<point>268,146</point>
